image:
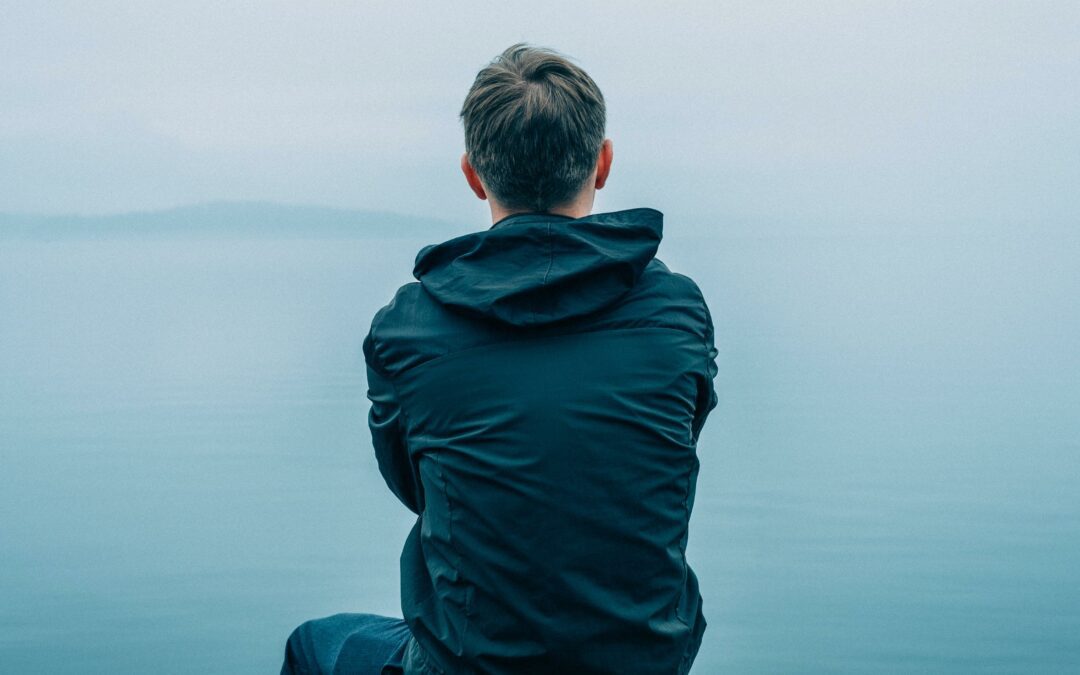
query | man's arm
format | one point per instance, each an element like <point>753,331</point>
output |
<point>386,422</point>
<point>706,398</point>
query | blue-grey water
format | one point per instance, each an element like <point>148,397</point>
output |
<point>890,483</point>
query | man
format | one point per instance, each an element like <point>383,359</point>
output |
<point>536,399</point>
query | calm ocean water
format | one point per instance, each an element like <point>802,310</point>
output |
<point>891,482</point>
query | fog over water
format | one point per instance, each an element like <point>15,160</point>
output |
<point>802,116</point>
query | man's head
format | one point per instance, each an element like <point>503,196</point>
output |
<point>534,133</point>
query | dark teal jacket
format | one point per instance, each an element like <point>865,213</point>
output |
<point>536,399</point>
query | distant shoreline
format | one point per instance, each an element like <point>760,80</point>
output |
<point>227,219</point>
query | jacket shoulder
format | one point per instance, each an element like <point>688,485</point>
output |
<point>384,321</point>
<point>414,327</point>
<point>679,281</point>
<point>664,298</point>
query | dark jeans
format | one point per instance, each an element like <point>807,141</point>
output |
<point>357,644</point>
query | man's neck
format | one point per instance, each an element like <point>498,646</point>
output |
<point>578,208</point>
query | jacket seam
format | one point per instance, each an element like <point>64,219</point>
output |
<point>682,548</point>
<point>443,484</point>
<point>551,262</point>
<point>553,335</point>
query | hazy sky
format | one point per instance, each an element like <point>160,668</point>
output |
<point>806,115</point>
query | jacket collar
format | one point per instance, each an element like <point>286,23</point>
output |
<point>528,217</point>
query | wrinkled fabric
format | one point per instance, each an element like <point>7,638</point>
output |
<point>536,399</point>
<point>347,644</point>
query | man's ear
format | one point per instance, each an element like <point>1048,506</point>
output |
<point>472,178</point>
<point>603,163</point>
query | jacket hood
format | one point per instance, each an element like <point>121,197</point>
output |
<point>537,268</point>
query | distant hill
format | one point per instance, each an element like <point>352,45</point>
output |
<point>228,219</point>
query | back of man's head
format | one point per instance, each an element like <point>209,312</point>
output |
<point>534,125</point>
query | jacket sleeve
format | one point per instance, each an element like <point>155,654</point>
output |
<point>706,396</point>
<point>387,424</point>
